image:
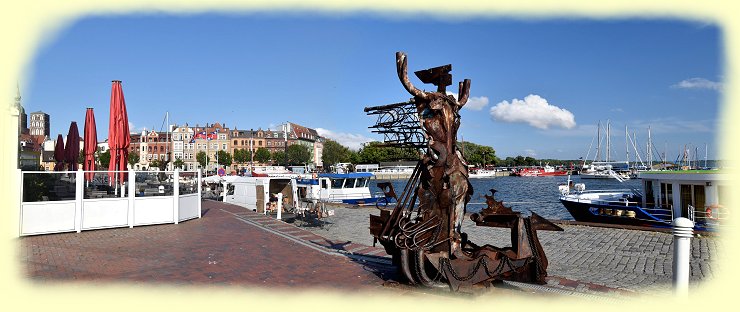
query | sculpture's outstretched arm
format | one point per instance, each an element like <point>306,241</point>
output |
<point>401,69</point>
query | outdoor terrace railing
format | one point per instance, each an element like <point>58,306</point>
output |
<point>64,201</point>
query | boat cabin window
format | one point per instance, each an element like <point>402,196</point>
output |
<point>324,184</point>
<point>349,183</point>
<point>337,183</point>
<point>230,189</point>
<point>649,194</point>
<point>361,182</point>
<point>666,195</point>
<point>699,198</point>
<point>685,199</point>
<point>302,192</point>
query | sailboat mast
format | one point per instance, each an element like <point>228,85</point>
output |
<point>608,140</point>
<point>665,154</point>
<point>627,145</point>
<point>696,157</point>
<point>706,153</point>
<point>598,142</point>
<point>650,150</point>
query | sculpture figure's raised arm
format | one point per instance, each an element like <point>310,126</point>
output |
<point>401,69</point>
<point>464,92</point>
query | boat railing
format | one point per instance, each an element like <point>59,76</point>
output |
<point>342,196</point>
<point>712,218</point>
<point>604,191</point>
<point>663,212</point>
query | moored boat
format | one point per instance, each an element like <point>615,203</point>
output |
<point>540,172</point>
<point>478,173</point>
<point>348,188</point>
<point>618,170</point>
<point>666,195</point>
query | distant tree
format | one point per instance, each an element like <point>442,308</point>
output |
<point>224,158</point>
<point>202,159</point>
<point>155,163</point>
<point>298,154</point>
<point>278,157</point>
<point>81,157</point>
<point>104,159</point>
<point>178,163</point>
<point>374,152</point>
<point>530,161</point>
<point>354,157</point>
<point>262,155</point>
<point>478,155</point>
<point>133,158</point>
<point>334,153</point>
<point>508,162</point>
<point>241,155</point>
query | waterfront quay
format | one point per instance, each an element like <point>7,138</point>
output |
<point>231,246</point>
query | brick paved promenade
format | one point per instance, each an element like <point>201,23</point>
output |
<point>232,246</point>
<point>217,249</point>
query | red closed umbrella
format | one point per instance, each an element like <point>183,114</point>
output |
<point>91,144</point>
<point>59,154</point>
<point>72,148</point>
<point>119,137</point>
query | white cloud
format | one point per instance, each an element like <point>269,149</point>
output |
<point>132,128</point>
<point>530,152</point>
<point>352,141</point>
<point>535,111</point>
<point>474,102</point>
<point>698,83</point>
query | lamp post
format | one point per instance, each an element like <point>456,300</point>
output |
<point>251,150</point>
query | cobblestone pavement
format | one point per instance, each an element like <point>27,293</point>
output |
<point>630,260</point>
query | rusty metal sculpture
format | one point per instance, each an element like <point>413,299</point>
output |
<point>423,232</point>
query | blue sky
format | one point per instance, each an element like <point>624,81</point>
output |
<point>539,87</point>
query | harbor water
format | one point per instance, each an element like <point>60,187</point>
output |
<point>526,194</point>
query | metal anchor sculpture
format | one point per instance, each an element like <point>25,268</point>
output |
<point>423,232</point>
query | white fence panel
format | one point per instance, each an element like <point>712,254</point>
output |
<point>189,207</point>
<point>153,210</point>
<point>54,202</point>
<point>47,217</point>
<point>104,213</point>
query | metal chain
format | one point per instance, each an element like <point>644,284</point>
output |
<point>446,263</point>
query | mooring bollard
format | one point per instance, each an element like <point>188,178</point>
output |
<point>279,205</point>
<point>683,229</point>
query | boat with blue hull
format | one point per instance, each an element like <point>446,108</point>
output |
<point>347,188</point>
<point>665,196</point>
